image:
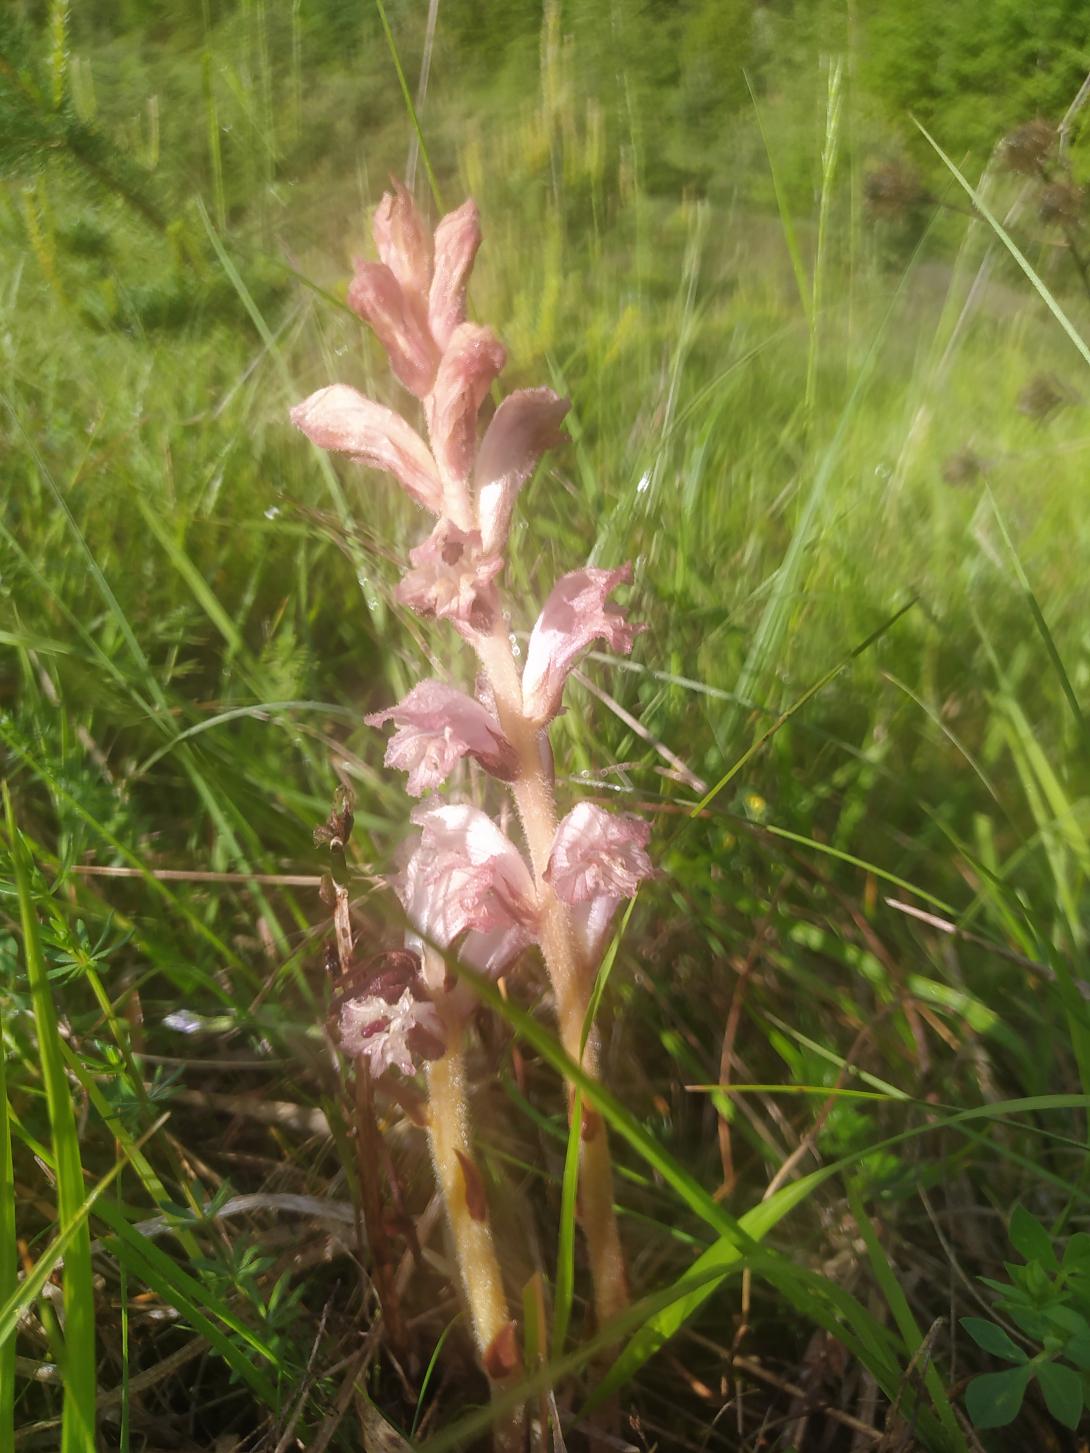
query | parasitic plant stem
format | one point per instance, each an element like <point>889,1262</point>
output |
<point>467,1215</point>
<point>467,890</point>
<point>571,979</point>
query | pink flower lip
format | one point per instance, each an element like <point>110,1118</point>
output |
<point>574,615</point>
<point>343,420</point>
<point>391,1032</point>
<point>452,578</point>
<point>598,859</point>
<point>437,725</point>
<point>598,852</point>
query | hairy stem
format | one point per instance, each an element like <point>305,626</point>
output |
<point>571,979</point>
<point>478,1265</point>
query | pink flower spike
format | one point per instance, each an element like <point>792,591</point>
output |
<point>452,579</point>
<point>575,614</point>
<point>466,876</point>
<point>597,860</point>
<point>473,358</point>
<point>522,428</point>
<point>399,322</point>
<point>391,1033</point>
<point>341,419</point>
<point>437,725</point>
<point>457,239</point>
<point>403,242</point>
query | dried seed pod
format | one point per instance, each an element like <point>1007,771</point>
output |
<point>891,190</point>
<point>337,828</point>
<point>1027,148</point>
<point>962,468</point>
<point>1042,396</point>
<point>1060,203</point>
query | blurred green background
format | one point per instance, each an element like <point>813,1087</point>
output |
<point>820,405</point>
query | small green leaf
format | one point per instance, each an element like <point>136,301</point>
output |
<point>1077,1350</point>
<point>1030,1239</point>
<point>1031,1322</point>
<point>993,1339</point>
<point>1066,1320</point>
<point>1077,1251</point>
<point>1062,1387</point>
<point>993,1400</point>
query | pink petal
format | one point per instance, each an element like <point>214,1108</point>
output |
<point>403,242</point>
<point>400,324</point>
<point>457,239</point>
<point>598,859</point>
<point>591,922</point>
<point>522,428</point>
<point>466,876</point>
<point>452,579</point>
<point>437,725</point>
<point>341,419</point>
<point>473,358</point>
<point>597,852</point>
<point>494,952</point>
<point>391,1032</point>
<point>574,615</point>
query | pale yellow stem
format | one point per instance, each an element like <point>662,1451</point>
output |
<point>448,1133</point>
<point>570,978</point>
<point>478,1265</point>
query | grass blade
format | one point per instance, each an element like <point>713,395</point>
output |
<point>565,1241</point>
<point>797,705</point>
<point>897,1302</point>
<point>1012,247</point>
<point>9,1261</point>
<point>79,1357</point>
<point>27,1290</point>
<point>703,1278</point>
<point>565,1251</point>
<point>178,1289</point>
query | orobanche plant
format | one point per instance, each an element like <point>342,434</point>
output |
<point>471,896</point>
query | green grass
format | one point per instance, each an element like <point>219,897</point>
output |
<point>74,1341</point>
<point>878,675</point>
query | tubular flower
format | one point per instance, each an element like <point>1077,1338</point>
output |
<point>473,358</point>
<point>522,428</point>
<point>574,615</point>
<point>457,238</point>
<point>437,726</point>
<point>466,876</point>
<point>413,306</point>
<point>402,241</point>
<point>398,323</point>
<point>341,419</point>
<point>395,1032</point>
<point>452,578</point>
<point>598,858</point>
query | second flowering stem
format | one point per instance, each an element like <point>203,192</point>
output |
<point>532,789</point>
